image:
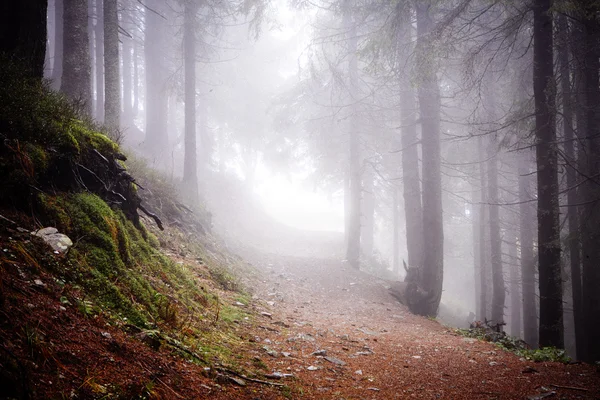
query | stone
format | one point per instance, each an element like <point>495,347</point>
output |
<point>59,242</point>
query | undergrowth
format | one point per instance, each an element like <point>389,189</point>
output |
<point>488,333</point>
<point>52,172</point>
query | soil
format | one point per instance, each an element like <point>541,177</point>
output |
<point>322,330</point>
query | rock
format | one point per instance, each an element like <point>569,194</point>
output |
<point>38,282</point>
<point>285,354</point>
<point>106,335</point>
<point>358,372</point>
<point>270,351</point>
<point>239,304</point>
<point>312,368</point>
<point>59,242</point>
<point>335,361</point>
<point>274,375</point>
<point>266,314</point>
<point>321,352</point>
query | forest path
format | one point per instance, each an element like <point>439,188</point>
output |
<point>342,336</point>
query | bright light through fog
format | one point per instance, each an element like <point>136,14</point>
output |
<point>288,201</point>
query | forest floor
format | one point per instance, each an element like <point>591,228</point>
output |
<point>319,330</point>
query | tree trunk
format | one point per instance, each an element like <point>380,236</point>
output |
<point>99,55</point>
<point>433,227</point>
<point>190,169</point>
<point>571,172</point>
<point>368,214</point>
<point>156,79</point>
<point>526,223</point>
<point>515,279</point>
<point>590,192</point>
<point>127,118</point>
<point>76,78</point>
<point>23,33</point>
<point>483,243</point>
<point>498,288</point>
<point>112,86</point>
<point>57,62</point>
<point>353,248</point>
<point>396,232</point>
<point>551,320</point>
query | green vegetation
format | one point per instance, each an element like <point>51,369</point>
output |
<point>514,344</point>
<point>60,169</point>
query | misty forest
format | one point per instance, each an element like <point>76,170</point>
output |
<point>264,199</point>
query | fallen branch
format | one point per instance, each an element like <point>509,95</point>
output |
<point>569,387</point>
<point>153,216</point>
<point>232,372</point>
<point>2,217</point>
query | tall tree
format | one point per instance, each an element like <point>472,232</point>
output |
<point>413,211</point>
<point>23,33</point>
<point>57,62</point>
<point>429,107</point>
<point>551,314</point>
<point>190,168</point>
<point>355,186</point>
<point>156,79</point>
<point>526,236</point>
<point>573,243</point>
<point>589,163</point>
<point>112,83</point>
<point>76,78</point>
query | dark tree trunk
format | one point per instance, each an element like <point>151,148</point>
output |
<point>190,168</point>
<point>57,61</point>
<point>429,106</point>
<point>112,85</point>
<point>76,82</point>
<point>590,188</point>
<point>571,171</point>
<point>23,33</point>
<point>156,79</point>
<point>526,233</point>
<point>136,80</point>
<point>551,314</point>
<point>515,279</point>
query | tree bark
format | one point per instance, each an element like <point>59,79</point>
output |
<point>429,106</point>
<point>57,62</point>
<point>23,34</point>
<point>396,232</point>
<point>99,60</point>
<point>571,172</point>
<point>190,168</point>
<point>526,233</point>
<point>551,314</point>
<point>590,188</point>
<point>76,82</point>
<point>112,85</point>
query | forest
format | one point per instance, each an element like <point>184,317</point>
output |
<point>458,141</point>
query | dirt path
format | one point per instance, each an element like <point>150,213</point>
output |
<point>341,336</point>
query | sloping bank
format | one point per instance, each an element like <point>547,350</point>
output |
<point>106,315</point>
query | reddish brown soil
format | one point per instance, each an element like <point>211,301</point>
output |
<point>387,353</point>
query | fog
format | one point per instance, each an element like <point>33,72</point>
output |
<point>400,131</point>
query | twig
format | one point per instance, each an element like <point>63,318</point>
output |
<point>229,371</point>
<point>570,387</point>
<point>160,381</point>
<point>2,217</point>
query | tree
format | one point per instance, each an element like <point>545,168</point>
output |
<point>429,108</point>
<point>76,78</point>
<point>190,169</point>
<point>551,315</point>
<point>156,80</point>
<point>57,64</point>
<point>23,33</point>
<point>112,84</point>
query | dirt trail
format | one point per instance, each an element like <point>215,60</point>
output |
<point>341,336</point>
